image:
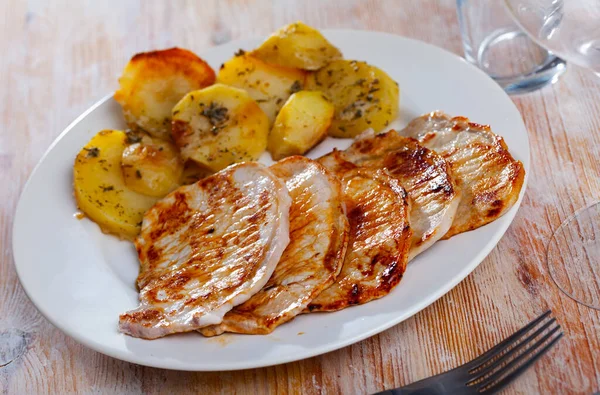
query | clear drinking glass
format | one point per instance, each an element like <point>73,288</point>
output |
<point>570,29</point>
<point>496,44</point>
<point>573,256</point>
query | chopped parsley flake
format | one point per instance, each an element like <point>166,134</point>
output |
<point>296,87</point>
<point>217,115</point>
<point>132,137</point>
<point>92,152</point>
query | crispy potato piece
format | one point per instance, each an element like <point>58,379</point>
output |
<point>151,166</point>
<point>100,189</point>
<point>218,126</point>
<point>364,96</point>
<point>297,45</point>
<point>153,82</point>
<point>268,84</point>
<point>300,125</point>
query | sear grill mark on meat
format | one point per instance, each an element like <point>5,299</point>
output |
<point>380,237</point>
<point>490,179</point>
<point>311,262</point>
<point>426,176</point>
<point>206,248</point>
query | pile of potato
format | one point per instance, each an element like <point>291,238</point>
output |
<point>285,96</point>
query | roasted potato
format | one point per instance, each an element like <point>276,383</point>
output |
<point>364,96</point>
<point>268,84</point>
<point>218,126</point>
<point>153,82</point>
<point>100,189</point>
<point>299,46</point>
<point>151,166</point>
<point>301,124</point>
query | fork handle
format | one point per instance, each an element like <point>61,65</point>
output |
<point>429,386</point>
<point>405,391</point>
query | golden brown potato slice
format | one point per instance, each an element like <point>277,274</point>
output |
<point>153,82</point>
<point>300,125</point>
<point>218,126</point>
<point>364,96</point>
<point>151,166</point>
<point>297,45</point>
<point>268,84</point>
<point>100,188</point>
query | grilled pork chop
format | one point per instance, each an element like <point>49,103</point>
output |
<point>425,176</point>
<point>377,208</point>
<point>206,248</point>
<point>489,178</point>
<point>312,260</point>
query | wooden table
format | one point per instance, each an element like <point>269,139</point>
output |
<point>59,57</point>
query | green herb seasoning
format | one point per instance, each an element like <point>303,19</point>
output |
<point>354,108</point>
<point>317,82</point>
<point>132,137</point>
<point>216,113</point>
<point>296,87</point>
<point>360,82</point>
<point>92,152</point>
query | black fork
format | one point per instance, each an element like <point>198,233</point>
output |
<point>496,368</point>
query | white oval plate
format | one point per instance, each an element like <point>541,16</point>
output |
<point>81,279</point>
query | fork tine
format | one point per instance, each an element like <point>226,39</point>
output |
<point>498,386</point>
<point>492,352</point>
<point>514,362</point>
<point>483,370</point>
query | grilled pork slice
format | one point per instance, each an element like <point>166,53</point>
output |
<point>206,248</point>
<point>425,175</point>
<point>378,209</point>
<point>312,260</point>
<point>489,178</point>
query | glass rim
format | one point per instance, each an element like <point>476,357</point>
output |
<point>552,238</point>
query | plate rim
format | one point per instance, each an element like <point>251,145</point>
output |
<point>177,365</point>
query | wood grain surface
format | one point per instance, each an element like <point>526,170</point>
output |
<point>59,57</point>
